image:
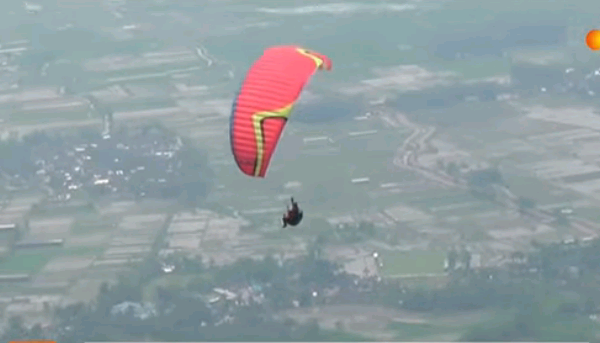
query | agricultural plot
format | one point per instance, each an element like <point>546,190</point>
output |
<point>463,209</point>
<point>67,263</point>
<point>333,162</point>
<point>504,227</point>
<point>61,271</point>
<point>143,223</point>
<point>402,185</point>
<point>415,262</point>
<point>521,157</point>
<point>439,199</point>
<point>94,248</point>
<point>564,169</point>
<point>541,192</point>
<point>362,266</point>
<point>221,239</point>
<point>87,289</point>
<point>378,219</point>
<point>428,205</point>
<point>437,327</point>
<point>519,233</point>
<point>386,324</point>
<point>51,228</point>
<point>25,262</point>
<point>443,218</point>
<point>126,244</point>
<point>147,60</point>
<point>439,237</point>
<point>94,223</point>
<point>590,213</point>
<point>17,208</point>
<point>512,149</point>
<point>42,105</point>
<point>134,237</point>
<point>468,229</point>
<point>577,116</point>
<point>88,240</point>
<point>50,111</point>
<point>33,308</point>
<point>401,213</point>
<point>31,261</point>
<point>186,230</point>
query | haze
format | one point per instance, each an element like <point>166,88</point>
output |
<point>448,170</point>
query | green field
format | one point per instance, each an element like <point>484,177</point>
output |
<point>23,117</point>
<point>325,171</point>
<point>480,207</point>
<point>441,327</point>
<point>341,336</point>
<point>85,224</point>
<point>590,213</point>
<point>79,228</point>
<point>539,191</point>
<point>73,208</point>
<point>27,262</point>
<point>484,68</point>
<point>412,331</point>
<point>398,263</point>
<point>522,157</point>
<point>31,261</point>
<point>442,198</point>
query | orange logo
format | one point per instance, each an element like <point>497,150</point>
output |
<point>593,40</point>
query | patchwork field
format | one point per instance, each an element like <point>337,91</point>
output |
<point>222,239</point>
<point>90,248</point>
<point>386,324</point>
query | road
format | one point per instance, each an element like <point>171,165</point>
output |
<point>407,157</point>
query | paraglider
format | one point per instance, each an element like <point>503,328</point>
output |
<point>264,102</point>
<point>293,216</point>
<point>263,105</point>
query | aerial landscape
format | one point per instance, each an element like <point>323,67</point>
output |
<point>446,169</point>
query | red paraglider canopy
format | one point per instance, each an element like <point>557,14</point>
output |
<point>264,102</point>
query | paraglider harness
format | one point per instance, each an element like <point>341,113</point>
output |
<point>293,216</point>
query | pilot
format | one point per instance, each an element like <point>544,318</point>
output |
<point>293,216</point>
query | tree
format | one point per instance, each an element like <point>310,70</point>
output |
<point>317,271</point>
<point>367,229</point>
<point>308,332</point>
<point>525,204</point>
<point>439,164</point>
<point>315,250</point>
<point>485,178</point>
<point>590,306</point>
<point>452,258</point>
<point>466,259</point>
<point>16,329</point>
<point>561,219</point>
<point>452,169</point>
<point>266,271</point>
<point>281,294</point>
<point>195,176</point>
